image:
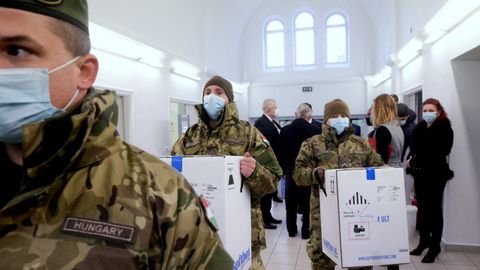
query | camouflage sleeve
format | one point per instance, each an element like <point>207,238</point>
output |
<point>178,147</point>
<point>184,237</point>
<point>374,159</point>
<point>264,179</point>
<point>305,165</point>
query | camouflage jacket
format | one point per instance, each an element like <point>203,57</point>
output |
<point>235,137</point>
<point>91,201</point>
<point>326,151</point>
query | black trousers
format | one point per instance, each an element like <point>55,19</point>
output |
<point>297,199</point>
<point>266,206</point>
<point>429,192</point>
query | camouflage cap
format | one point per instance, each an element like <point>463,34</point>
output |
<point>222,83</point>
<point>333,107</point>
<point>72,11</point>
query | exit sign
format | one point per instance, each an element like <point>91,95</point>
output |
<point>307,89</point>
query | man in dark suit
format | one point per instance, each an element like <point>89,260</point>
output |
<point>313,121</point>
<point>291,138</point>
<point>267,125</point>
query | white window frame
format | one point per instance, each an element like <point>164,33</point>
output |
<point>313,28</point>
<point>266,68</point>
<point>347,39</point>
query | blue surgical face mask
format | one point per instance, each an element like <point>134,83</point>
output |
<point>403,122</point>
<point>339,124</point>
<point>430,117</point>
<point>25,99</point>
<point>213,105</point>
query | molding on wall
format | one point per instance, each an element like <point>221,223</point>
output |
<point>461,247</point>
<point>300,82</point>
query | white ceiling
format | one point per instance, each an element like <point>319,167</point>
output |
<point>169,25</point>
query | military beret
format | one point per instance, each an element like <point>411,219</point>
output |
<point>222,83</point>
<point>72,11</point>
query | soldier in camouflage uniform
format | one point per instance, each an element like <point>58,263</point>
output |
<point>73,195</point>
<point>220,132</point>
<point>336,147</point>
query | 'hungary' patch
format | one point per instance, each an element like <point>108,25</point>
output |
<point>99,229</point>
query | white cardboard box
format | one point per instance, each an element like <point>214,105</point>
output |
<point>218,180</point>
<point>363,217</point>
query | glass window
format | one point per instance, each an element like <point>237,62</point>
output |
<point>274,45</point>
<point>304,40</point>
<point>337,43</point>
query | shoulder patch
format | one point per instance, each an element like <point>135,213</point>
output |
<point>264,140</point>
<point>99,229</point>
<point>235,140</point>
<point>212,221</point>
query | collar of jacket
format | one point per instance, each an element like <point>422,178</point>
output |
<point>73,140</point>
<point>330,134</point>
<point>229,115</point>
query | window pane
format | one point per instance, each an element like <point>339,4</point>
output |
<point>274,26</point>
<point>304,20</point>
<point>336,19</point>
<point>336,45</point>
<point>304,47</point>
<point>275,50</point>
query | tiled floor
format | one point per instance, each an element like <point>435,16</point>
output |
<point>289,253</point>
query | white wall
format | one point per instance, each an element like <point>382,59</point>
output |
<point>289,96</point>
<point>412,15</point>
<point>462,218</point>
<point>361,39</point>
<point>328,83</point>
<point>175,27</point>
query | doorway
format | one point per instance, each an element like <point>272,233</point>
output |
<point>182,116</point>
<point>414,101</point>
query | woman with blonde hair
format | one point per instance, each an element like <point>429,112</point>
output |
<point>387,138</point>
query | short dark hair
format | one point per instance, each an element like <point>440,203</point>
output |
<point>403,110</point>
<point>395,97</point>
<point>76,40</point>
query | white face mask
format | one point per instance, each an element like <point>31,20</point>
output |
<point>339,124</point>
<point>25,99</point>
<point>213,105</point>
<point>277,112</point>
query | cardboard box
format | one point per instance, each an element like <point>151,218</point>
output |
<point>363,216</point>
<point>218,180</point>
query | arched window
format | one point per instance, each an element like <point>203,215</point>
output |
<point>337,39</point>
<point>304,40</point>
<point>274,45</point>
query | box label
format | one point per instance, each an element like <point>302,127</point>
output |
<point>359,230</point>
<point>177,163</point>
<point>370,173</point>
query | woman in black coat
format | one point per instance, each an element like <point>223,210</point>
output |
<point>431,144</point>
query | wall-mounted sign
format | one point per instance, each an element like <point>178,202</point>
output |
<point>307,89</point>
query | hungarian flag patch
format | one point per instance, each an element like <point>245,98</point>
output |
<point>265,141</point>
<point>210,216</point>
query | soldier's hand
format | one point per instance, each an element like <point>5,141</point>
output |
<point>247,165</point>
<point>319,175</point>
